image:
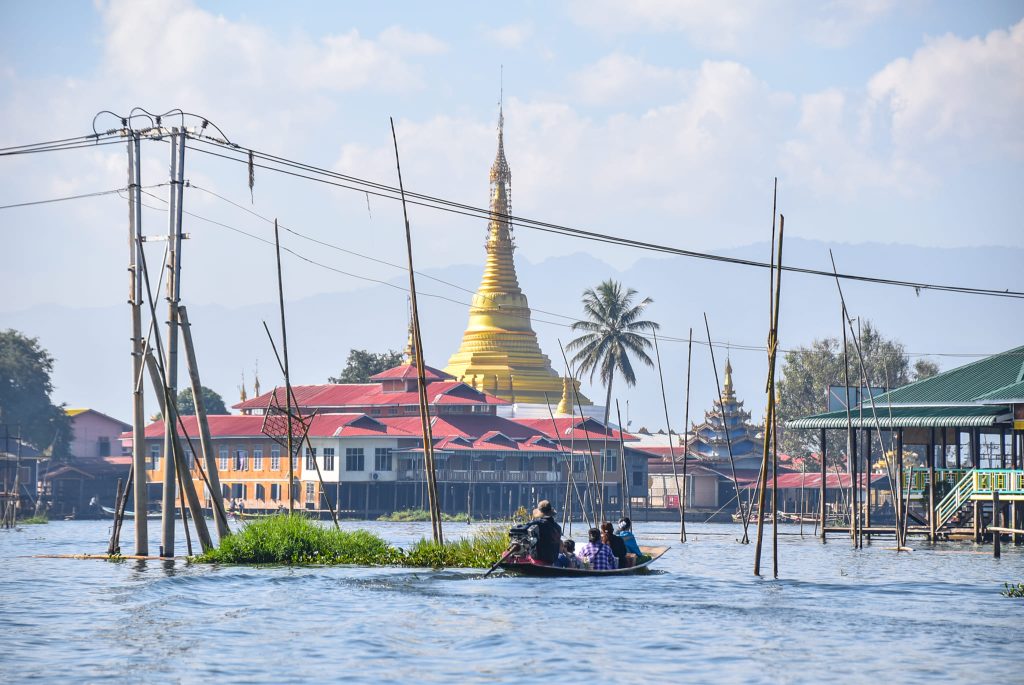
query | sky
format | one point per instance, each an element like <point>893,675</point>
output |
<point>885,122</point>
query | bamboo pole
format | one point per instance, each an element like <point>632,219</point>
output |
<point>428,441</point>
<point>624,494</point>
<point>851,459</point>
<point>598,499</point>
<point>205,440</point>
<point>686,441</point>
<point>671,447</point>
<point>287,376</point>
<point>744,511</point>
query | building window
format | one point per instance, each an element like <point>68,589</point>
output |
<point>257,459</point>
<point>190,457</point>
<point>311,459</point>
<point>103,446</point>
<point>329,458</point>
<point>638,479</point>
<point>295,462</point>
<point>611,462</point>
<point>309,493</point>
<point>224,458</point>
<point>275,491</point>
<point>261,492</point>
<point>275,459</point>
<point>153,463</point>
<point>382,459</point>
<point>242,460</point>
<point>354,459</point>
<point>578,464</point>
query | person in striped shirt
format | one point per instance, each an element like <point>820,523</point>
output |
<point>597,555</point>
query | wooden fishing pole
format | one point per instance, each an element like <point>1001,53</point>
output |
<point>287,376</point>
<point>671,447</point>
<point>744,511</point>
<point>625,504</point>
<point>428,439</point>
<point>570,484</point>
<point>774,404</point>
<point>686,440</point>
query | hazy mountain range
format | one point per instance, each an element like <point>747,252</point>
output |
<point>91,344</point>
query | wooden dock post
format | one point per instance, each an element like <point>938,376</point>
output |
<point>997,536</point>
<point>931,488</point>
<point>821,487</point>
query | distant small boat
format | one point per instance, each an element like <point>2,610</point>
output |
<point>130,514</point>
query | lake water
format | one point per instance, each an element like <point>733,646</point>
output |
<point>836,614</point>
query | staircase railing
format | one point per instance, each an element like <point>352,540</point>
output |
<point>956,498</point>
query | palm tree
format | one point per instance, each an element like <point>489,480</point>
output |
<point>611,335</point>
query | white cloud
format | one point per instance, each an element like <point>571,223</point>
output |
<point>411,42</point>
<point>510,36</point>
<point>969,92</point>
<point>619,77</point>
<point>735,26</point>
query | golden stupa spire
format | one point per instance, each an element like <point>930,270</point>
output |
<point>728,393</point>
<point>565,405</point>
<point>410,343</point>
<point>499,341</point>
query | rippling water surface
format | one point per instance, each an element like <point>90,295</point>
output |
<point>836,614</point>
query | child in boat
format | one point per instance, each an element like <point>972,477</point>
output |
<point>567,558</point>
<point>597,555</point>
<point>625,531</point>
<point>616,543</point>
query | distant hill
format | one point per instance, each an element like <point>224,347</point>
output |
<point>91,344</point>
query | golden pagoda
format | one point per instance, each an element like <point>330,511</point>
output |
<point>499,352</point>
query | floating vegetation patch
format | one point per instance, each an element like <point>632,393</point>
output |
<point>34,520</point>
<point>1011,590</point>
<point>295,539</point>
<point>412,515</point>
<point>478,551</point>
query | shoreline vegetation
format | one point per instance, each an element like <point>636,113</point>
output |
<point>297,540</point>
<point>416,515</point>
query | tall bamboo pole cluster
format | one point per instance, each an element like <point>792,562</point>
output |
<point>770,448</point>
<point>428,438</point>
<point>149,353</point>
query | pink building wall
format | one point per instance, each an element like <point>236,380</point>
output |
<point>90,428</point>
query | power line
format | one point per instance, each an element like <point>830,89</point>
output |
<point>98,193</point>
<point>389,192</point>
<point>309,260</point>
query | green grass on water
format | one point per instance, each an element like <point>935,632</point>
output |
<point>295,539</point>
<point>34,520</point>
<point>1013,590</point>
<point>407,515</point>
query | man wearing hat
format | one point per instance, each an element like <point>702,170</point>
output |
<point>549,533</point>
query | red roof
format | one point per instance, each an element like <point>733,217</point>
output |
<point>466,426</point>
<point>323,426</point>
<point>92,468</point>
<point>812,480</point>
<point>407,372</point>
<point>372,394</point>
<point>569,428</point>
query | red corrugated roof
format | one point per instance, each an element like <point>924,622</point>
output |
<point>324,426</point>
<point>407,372</point>
<point>372,394</point>
<point>813,480</point>
<point>577,429</point>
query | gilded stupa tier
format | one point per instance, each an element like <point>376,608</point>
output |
<point>499,352</point>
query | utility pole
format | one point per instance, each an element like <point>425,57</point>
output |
<point>176,192</point>
<point>141,499</point>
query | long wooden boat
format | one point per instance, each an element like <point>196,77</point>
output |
<point>524,566</point>
<point>130,514</point>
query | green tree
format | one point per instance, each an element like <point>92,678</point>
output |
<point>808,371</point>
<point>925,368</point>
<point>25,388</point>
<point>212,402</point>
<point>611,334</point>
<point>361,364</point>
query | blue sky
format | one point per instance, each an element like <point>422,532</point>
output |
<point>886,122</point>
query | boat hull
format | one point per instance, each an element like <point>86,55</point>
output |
<point>524,568</point>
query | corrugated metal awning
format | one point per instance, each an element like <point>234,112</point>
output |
<point>909,417</point>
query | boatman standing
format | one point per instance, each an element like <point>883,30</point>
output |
<point>549,533</point>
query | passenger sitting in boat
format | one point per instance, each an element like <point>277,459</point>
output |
<point>625,531</point>
<point>618,546</point>
<point>549,533</point>
<point>568,558</point>
<point>597,555</point>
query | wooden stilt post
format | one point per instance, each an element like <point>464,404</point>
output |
<point>686,442</point>
<point>823,509</point>
<point>140,493</point>
<point>996,522</point>
<point>932,530</point>
<point>671,447</point>
<point>899,489</point>
<point>867,481</point>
